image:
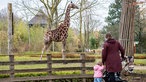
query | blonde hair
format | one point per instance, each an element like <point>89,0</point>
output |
<point>99,63</point>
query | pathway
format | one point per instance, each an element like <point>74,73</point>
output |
<point>140,67</point>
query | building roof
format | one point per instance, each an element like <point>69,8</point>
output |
<point>40,18</point>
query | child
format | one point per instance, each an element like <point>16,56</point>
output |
<point>98,69</point>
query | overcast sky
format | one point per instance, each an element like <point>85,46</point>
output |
<point>102,13</point>
<point>3,3</point>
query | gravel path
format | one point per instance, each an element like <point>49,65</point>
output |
<point>140,67</point>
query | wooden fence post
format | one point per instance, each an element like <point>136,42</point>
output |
<point>10,29</point>
<point>49,64</point>
<point>11,67</point>
<point>82,57</point>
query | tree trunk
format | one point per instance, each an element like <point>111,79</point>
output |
<point>81,40</point>
<point>85,36</point>
<point>88,31</point>
<point>126,36</point>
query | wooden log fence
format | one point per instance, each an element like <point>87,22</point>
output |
<point>49,62</point>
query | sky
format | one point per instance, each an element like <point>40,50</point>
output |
<point>102,13</point>
<point>4,3</point>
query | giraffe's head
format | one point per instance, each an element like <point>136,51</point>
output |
<point>72,5</point>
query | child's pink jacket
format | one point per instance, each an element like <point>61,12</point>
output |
<point>98,71</point>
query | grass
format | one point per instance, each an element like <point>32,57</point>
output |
<point>140,71</point>
<point>19,58</point>
<point>37,57</point>
<point>26,57</point>
<point>140,61</point>
<point>45,73</point>
<point>30,58</point>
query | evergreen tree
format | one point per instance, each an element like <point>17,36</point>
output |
<point>113,19</point>
<point>140,31</point>
<point>114,13</point>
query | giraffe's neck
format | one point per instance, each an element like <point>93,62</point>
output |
<point>67,17</point>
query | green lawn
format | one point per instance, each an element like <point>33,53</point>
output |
<point>140,71</point>
<point>29,58</point>
<point>140,61</point>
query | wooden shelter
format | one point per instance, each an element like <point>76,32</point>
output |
<point>39,19</point>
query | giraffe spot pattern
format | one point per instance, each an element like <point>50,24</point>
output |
<point>58,34</point>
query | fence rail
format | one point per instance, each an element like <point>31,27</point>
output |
<point>49,62</point>
<point>51,77</point>
<point>44,61</point>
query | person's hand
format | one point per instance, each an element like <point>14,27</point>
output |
<point>102,63</point>
<point>123,58</point>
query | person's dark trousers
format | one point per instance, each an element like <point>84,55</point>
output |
<point>118,74</point>
<point>111,77</point>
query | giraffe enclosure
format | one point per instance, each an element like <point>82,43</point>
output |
<point>73,32</point>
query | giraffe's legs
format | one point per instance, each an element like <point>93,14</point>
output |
<point>63,49</point>
<point>45,48</point>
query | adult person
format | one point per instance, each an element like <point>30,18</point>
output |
<point>111,57</point>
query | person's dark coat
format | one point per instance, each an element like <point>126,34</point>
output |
<point>111,55</point>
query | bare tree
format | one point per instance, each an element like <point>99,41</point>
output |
<point>50,7</point>
<point>88,20</point>
<point>3,30</point>
<point>55,11</point>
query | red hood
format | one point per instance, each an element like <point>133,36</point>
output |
<point>111,41</point>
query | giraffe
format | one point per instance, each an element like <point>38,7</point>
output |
<point>59,34</point>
